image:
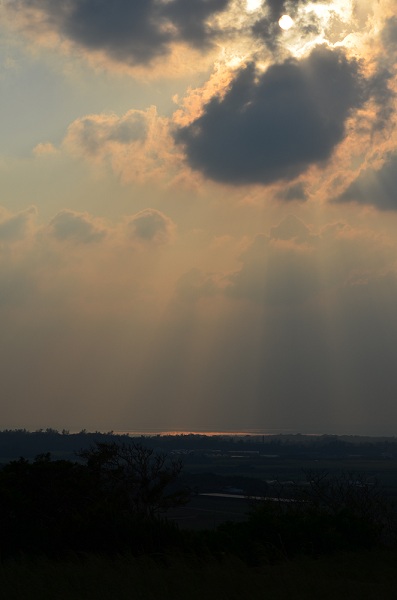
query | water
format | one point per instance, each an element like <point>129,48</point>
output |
<point>209,432</point>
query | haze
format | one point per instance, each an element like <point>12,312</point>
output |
<point>198,215</point>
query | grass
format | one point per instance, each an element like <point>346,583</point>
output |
<point>361,576</point>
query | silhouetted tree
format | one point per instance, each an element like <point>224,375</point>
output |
<point>137,479</point>
<point>326,514</point>
<point>45,505</point>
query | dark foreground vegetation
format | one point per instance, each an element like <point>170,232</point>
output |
<point>354,576</point>
<point>96,526</point>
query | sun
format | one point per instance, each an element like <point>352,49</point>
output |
<point>298,30</point>
<point>286,22</point>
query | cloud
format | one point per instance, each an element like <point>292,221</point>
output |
<point>194,284</point>
<point>95,134</point>
<point>329,22</point>
<point>132,32</point>
<point>44,149</point>
<point>272,126</point>
<point>374,187</point>
<point>274,274</point>
<point>77,227</point>
<point>389,34</point>
<point>136,145</point>
<point>151,226</point>
<point>268,30</point>
<point>382,82</point>
<point>191,19</point>
<point>292,228</point>
<point>294,264</point>
<point>14,227</point>
<point>293,192</point>
<point>380,90</point>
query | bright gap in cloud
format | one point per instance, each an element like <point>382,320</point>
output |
<point>325,11</point>
<point>252,5</point>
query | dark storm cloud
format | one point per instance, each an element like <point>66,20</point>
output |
<point>376,188</point>
<point>272,126</point>
<point>129,31</point>
<point>267,28</point>
<point>70,226</point>
<point>275,8</point>
<point>190,18</point>
<point>268,31</point>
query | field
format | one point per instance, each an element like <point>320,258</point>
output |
<point>358,576</point>
<point>245,474</point>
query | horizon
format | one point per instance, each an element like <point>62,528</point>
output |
<point>202,433</point>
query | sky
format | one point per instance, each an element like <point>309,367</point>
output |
<point>198,215</point>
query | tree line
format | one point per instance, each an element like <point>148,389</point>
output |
<point>21,442</point>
